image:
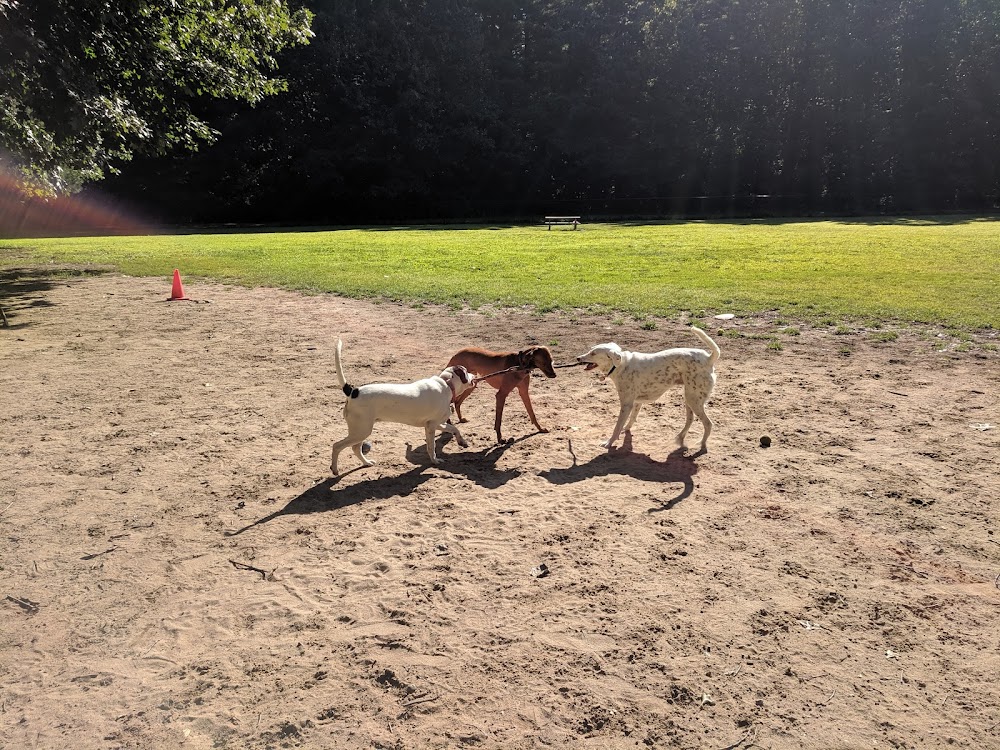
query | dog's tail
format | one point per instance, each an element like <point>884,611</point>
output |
<point>713,349</point>
<point>349,390</point>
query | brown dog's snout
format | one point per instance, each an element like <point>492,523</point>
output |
<point>536,357</point>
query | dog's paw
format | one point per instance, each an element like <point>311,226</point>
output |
<point>607,444</point>
<point>463,443</point>
<point>542,429</point>
<point>437,461</point>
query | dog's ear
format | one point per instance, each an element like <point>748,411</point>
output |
<point>463,374</point>
<point>616,356</point>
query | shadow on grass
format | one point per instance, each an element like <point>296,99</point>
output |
<point>306,229</point>
<point>528,223</point>
<point>900,221</point>
<point>888,221</point>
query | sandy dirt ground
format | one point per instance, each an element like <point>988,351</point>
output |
<point>180,570</point>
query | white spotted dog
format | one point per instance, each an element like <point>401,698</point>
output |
<point>425,403</point>
<point>643,378</point>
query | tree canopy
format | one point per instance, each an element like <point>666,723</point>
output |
<point>446,109</point>
<point>85,84</point>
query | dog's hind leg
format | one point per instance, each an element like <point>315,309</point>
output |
<point>359,451</point>
<point>697,392</point>
<point>501,400</point>
<point>705,423</point>
<point>337,448</point>
<point>687,425</point>
<point>351,441</point>
<point>695,405</point>
<point>347,442</point>
<point>356,435</point>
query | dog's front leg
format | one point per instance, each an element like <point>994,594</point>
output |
<point>522,389</point>
<point>623,416</point>
<point>458,405</point>
<point>430,431</point>
<point>450,427</point>
<point>631,419</point>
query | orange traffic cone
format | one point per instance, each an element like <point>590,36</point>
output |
<point>177,292</point>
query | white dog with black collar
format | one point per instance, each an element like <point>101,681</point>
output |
<point>425,403</point>
<point>643,378</point>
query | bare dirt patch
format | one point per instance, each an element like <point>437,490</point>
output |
<point>180,570</point>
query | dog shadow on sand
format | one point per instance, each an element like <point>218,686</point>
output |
<point>479,466</point>
<point>325,496</point>
<point>678,468</point>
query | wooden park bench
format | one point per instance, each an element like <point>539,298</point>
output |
<point>550,220</point>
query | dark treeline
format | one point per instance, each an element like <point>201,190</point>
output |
<point>440,109</point>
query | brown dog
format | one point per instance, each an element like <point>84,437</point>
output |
<point>484,362</point>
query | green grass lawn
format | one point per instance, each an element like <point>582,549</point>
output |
<point>943,271</point>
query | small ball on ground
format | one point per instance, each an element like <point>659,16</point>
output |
<point>765,441</point>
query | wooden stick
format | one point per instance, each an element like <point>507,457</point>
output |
<point>815,676</point>
<point>244,566</point>
<point>494,374</point>
<point>421,699</point>
<point>98,554</point>
<point>25,604</point>
<point>829,698</point>
<point>741,740</point>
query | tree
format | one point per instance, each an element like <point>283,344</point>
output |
<point>442,108</point>
<point>85,84</point>
<point>390,111</point>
